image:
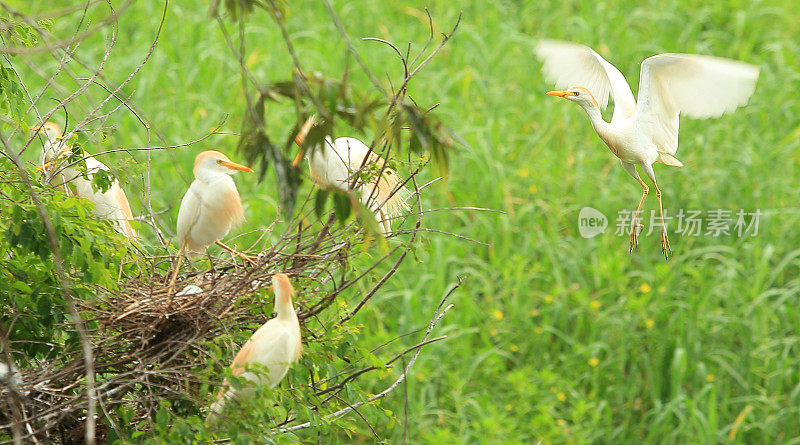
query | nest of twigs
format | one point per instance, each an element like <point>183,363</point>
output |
<point>146,340</point>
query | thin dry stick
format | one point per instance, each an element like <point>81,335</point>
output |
<point>437,315</point>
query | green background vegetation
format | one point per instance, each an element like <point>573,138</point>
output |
<point>554,337</point>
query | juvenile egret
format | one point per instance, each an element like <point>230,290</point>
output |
<point>646,132</point>
<point>274,346</point>
<point>111,204</point>
<point>210,208</point>
<point>334,163</point>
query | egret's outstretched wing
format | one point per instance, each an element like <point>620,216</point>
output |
<point>697,86</point>
<point>572,65</point>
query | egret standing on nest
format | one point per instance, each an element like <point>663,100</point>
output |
<point>334,164</point>
<point>111,204</point>
<point>274,346</point>
<point>646,132</point>
<point>210,208</point>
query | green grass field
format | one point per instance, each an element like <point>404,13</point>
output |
<point>553,337</point>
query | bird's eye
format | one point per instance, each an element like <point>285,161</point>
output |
<point>576,93</point>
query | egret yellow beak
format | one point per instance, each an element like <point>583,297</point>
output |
<point>299,157</point>
<point>235,166</point>
<point>301,137</point>
<point>560,93</point>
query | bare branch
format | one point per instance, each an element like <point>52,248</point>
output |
<point>437,315</point>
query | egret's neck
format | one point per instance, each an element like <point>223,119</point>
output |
<point>51,149</point>
<point>285,310</point>
<point>596,118</point>
<point>209,176</point>
<point>319,157</point>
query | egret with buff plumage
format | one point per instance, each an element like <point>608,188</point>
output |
<point>334,163</point>
<point>272,348</point>
<point>210,208</point>
<point>111,204</point>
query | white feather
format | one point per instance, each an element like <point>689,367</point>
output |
<point>334,164</point>
<point>273,344</point>
<point>112,204</point>
<point>696,86</point>
<point>272,348</point>
<point>647,132</point>
<point>573,65</point>
<point>204,217</point>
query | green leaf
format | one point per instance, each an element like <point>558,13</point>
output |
<point>259,151</point>
<point>341,206</point>
<point>319,202</point>
<point>162,417</point>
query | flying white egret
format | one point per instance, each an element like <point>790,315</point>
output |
<point>111,204</point>
<point>334,163</point>
<point>210,208</point>
<point>646,132</point>
<point>274,346</point>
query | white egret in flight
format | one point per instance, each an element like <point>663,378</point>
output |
<point>644,132</point>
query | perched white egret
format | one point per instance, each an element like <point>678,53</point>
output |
<point>211,206</point>
<point>334,163</point>
<point>646,132</point>
<point>274,347</point>
<point>111,204</point>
